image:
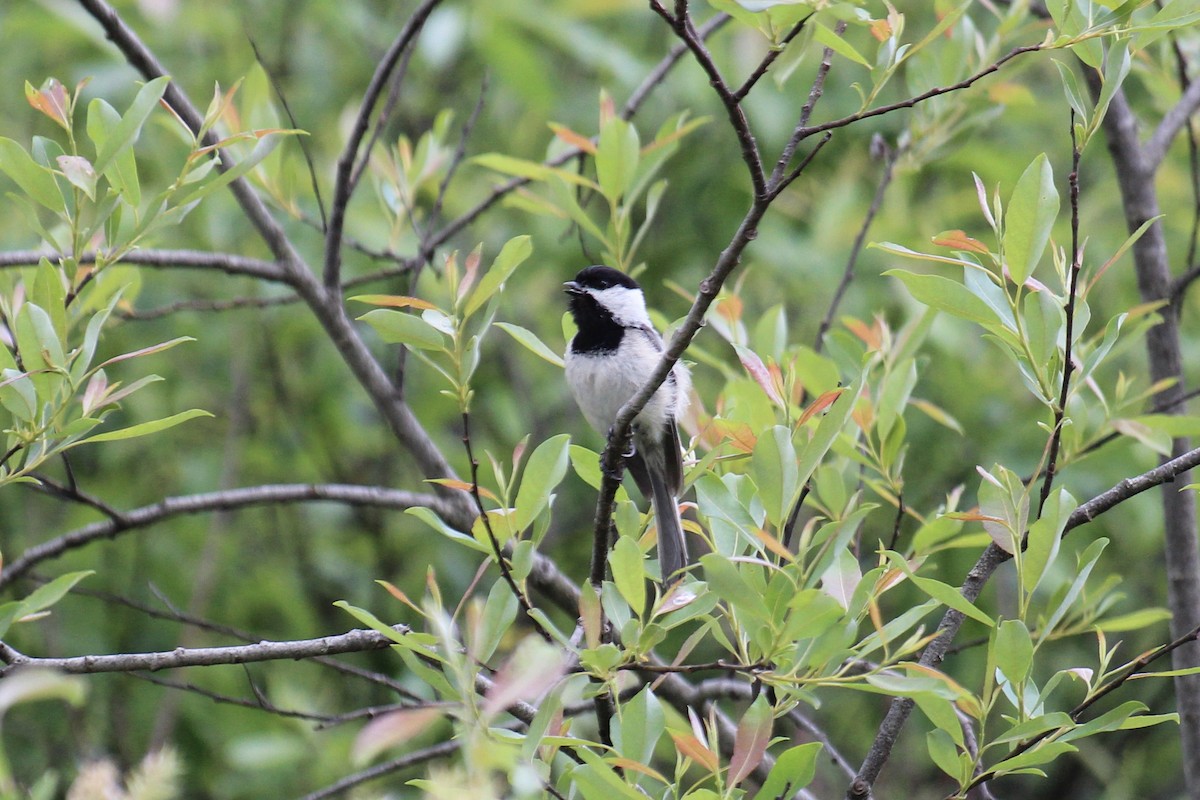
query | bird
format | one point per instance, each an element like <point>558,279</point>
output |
<point>611,356</point>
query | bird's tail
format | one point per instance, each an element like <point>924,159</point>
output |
<point>672,549</point>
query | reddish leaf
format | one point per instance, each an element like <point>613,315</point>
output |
<point>693,748</point>
<point>820,404</point>
<point>959,240</point>
<point>529,673</point>
<point>399,594</point>
<point>750,743</point>
<point>574,139</point>
<point>762,376</point>
<point>51,100</point>
<point>463,486</point>
<point>392,729</point>
<point>395,301</point>
<point>870,335</point>
<point>774,545</point>
<point>730,307</point>
<point>739,434</point>
<point>470,272</point>
<point>881,29</point>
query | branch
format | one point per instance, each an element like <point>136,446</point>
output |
<point>355,641</point>
<point>814,95</point>
<point>805,132</point>
<point>889,162</point>
<point>229,263</point>
<point>441,750</point>
<point>1068,366</point>
<point>681,23</point>
<point>219,501</point>
<point>346,178</point>
<point>1155,148</point>
<point>772,55</point>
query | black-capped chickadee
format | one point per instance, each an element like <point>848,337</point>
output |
<point>612,356</point>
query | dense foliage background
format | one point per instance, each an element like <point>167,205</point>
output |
<point>500,78</point>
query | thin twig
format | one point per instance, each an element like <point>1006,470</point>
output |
<point>890,155</point>
<point>772,55</point>
<point>681,23</point>
<point>497,551</point>
<point>1060,410</point>
<point>346,179</point>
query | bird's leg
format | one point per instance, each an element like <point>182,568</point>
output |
<point>615,472</point>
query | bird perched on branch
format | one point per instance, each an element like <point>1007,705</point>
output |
<point>611,357</point>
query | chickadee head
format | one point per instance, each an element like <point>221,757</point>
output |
<point>606,292</point>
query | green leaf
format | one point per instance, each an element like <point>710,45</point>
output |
<point>1133,621</point>
<point>724,579</point>
<point>262,148</point>
<point>499,612</point>
<point>642,724</point>
<point>837,44</point>
<point>50,593</point>
<point>29,685</point>
<point>515,250</point>
<point>532,170</point>
<point>371,621</point>
<point>145,428</point>
<point>941,713</point>
<point>1087,560</point>
<point>775,472</point>
<point>1014,650</point>
<point>1031,213</point>
<point>629,573</point>
<point>794,769</point>
<point>1111,720</point>
<point>945,295</point>
<point>434,521</point>
<point>543,472</point>
<point>616,158</point>
<point>399,327</point>
<point>121,171</point>
<point>531,342</point>
<point>126,131</point>
<point>34,179</point>
<point>1032,727</point>
<point>945,594</point>
<point>944,753</point>
<point>1044,537</point>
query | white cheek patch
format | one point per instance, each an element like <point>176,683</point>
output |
<point>628,306</point>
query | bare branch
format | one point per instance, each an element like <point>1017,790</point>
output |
<point>772,55</point>
<point>441,750</point>
<point>805,132</point>
<point>1155,149</point>
<point>229,263</point>
<point>355,641</point>
<point>889,162</point>
<point>346,179</point>
<point>219,501</point>
<point>681,23</point>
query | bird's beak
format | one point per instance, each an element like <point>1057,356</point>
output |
<point>571,287</point>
